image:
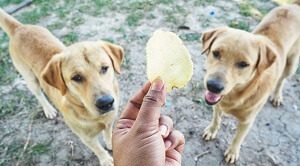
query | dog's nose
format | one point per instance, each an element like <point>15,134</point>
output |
<point>215,85</point>
<point>105,103</point>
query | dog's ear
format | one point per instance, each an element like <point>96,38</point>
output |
<point>115,53</point>
<point>266,57</point>
<point>209,37</point>
<point>53,76</point>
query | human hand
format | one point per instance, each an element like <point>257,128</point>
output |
<point>144,137</point>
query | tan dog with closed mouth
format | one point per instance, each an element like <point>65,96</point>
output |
<point>244,68</point>
<point>79,80</point>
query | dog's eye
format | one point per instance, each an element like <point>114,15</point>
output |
<point>77,78</point>
<point>216,54</point>
<point>242,64</point>
<point>103,69</point>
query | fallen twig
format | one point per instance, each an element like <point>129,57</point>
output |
<point>272,160</point>
<point>26,143</point>
<point>20,6</point>
<point>33,115</point>
<point>200,156</point>
<point>71,144</point>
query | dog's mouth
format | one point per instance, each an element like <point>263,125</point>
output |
<point>212,98</point>
<point>106,109</point>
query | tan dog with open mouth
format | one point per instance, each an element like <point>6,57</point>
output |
<point>79,80</point>
<point>244,68</point>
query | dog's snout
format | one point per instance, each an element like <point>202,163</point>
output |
<point>105,103</point>
<point>215,85</point>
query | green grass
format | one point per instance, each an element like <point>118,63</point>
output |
<point>170,17</point>
<point>250,10</point>
<point>39,148</point>
<point>7,71</point>
<point>150,16</point>
<point>64,10</point>
<point>203,2</point>
<point>76,21</point>
<point>33,17</point>
<point>8,2</point>
<point>17,101</point>
<point>137,10</point>
<point>11,152</point>
<point>56,25</point>
<point>101,3</point>
<point>133,19</point>
<point>175,15</point>
<point>239,25</point>
<point>165,1</point>
<point>201,101</point>
<point>14,150</point>
<point>44,8</point>
<point>6,108</point>
<point>190,36</point>
<point>144,5</point>
<point>111,40</point>
<point>142,8</point>
<point>97,7</point>
<point>70,38</point>
<point>245,9</point>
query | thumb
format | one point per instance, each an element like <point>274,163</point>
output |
<point>152,103</point>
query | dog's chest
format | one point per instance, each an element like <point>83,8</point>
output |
<point>238,109</point>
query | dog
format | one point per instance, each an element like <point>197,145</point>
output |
<point>79,80</point>
<point>243,69</point>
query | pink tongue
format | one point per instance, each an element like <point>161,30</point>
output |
<point>212,97</point>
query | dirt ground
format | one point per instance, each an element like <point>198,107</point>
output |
<point>28,138</point>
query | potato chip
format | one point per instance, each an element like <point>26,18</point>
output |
<point>168,59</point>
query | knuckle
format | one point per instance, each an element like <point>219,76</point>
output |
<point>166,119</point>
<point>153,97</point>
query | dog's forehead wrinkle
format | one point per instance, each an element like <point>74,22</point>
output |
<point>78,67</point>
<point>104,58</point>
<point>237,47</point>
<point>85,55</point>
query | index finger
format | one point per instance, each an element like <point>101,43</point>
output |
<point>133,106</point>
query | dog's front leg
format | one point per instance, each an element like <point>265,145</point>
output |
<point>92,142</point>
<point>232,152</point>
<point>211,131</point>
<point>107,136</point>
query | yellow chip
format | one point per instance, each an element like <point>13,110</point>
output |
<point>168,59</point>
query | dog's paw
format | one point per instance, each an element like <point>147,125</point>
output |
<point>231,155</point>
<point>50,112</point>
<point>108,161</point>
<point>276,101</point>
<point>210,133</point>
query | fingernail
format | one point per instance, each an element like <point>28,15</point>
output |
<point>168,144</point>
<point>163,130</point>
<point>157,84</point>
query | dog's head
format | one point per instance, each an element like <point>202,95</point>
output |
<point>85,72</point>
<point>234,57</point>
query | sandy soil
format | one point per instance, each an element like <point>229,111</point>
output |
<point>273,140</point>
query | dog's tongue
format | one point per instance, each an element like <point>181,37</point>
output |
<point>212,98</point>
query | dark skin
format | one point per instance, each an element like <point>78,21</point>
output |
<point>144,137</point>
